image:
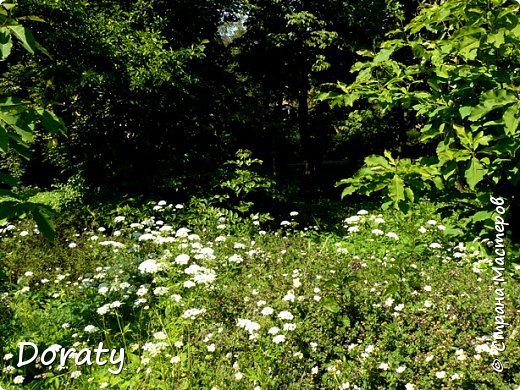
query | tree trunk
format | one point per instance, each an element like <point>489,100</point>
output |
<point>304,128</point>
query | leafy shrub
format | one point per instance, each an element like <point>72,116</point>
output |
<point>243,181</point>
<point>454,67</point>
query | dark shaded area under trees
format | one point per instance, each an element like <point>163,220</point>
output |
<point>156,98</point>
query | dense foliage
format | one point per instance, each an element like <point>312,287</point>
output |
<point>175,88</point>
<point>18,119</point>
<point>455,67</point>
<point>237,112</point>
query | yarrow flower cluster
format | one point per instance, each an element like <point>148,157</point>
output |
<point>201,275</point>
<point>248,325</point>
<point>150,266</point>
<point>193,313</point>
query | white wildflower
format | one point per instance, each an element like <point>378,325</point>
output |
<point>267,311</point>
<point>285,315</point>
<point>91,329</point>
<point>160,336</point>
<point>159,291</point>
<point>392,235</point>
<point>273,330</point>
<point>289,296</point>
<point>18,379</point>
<point>75,374</point>
<point>149,266</point>
<point>192,313</point>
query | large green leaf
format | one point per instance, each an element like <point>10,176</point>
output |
<point>512,119</point>
<point>497,39</point>
<point>22,124</point>
<point>6,43</point>
<point>465,111</point>
<point>4,139</point>
<point>396,189</point>
<point>8,179</point>
<point>469,47</point>
<point>25,37</point>
<point>409,194</point>
<point>375,161</point>
<point>348,191</point>
<point>44,223</point>
<point>475,173</point>
<point>51,122</point>
<point>12,104</point>
<point>383,55</point>
<point>32,18</point>
<point>490,101</point>
<point>20,147</point>
<point>481,216</point>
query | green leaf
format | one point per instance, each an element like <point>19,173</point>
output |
<point>409,194</point>
<point>383,55</point>
<point>51,122</point>
<point>512,119</point>
<point>490,101</point>
<point>465,111</point>
<point>8,179</point>
<point>481,216</point>
<point>365,53</point>
<point>437,181</point>
<point>442,72</point>
<point>449,169</point>
<point>6,43</point>
<point>25,37</point>
<point>348,191</point>
<point>8,209</point>
<point>376,161</point>
<point>333,307</point>
<point>469,47</point>
<point>4,139</point>
<point>396,189</point>
<point>12,103</point>
<point>44,223</point>
<point>23,126</point>
<point>20,147</point>
<point>388,155</point>
<point>497,39</point>
<point>481,139</point>
<point>32,18</point>
<point>453,232</point>
<point>475,173</point>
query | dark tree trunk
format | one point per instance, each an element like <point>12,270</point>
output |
<point>304,128</point>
